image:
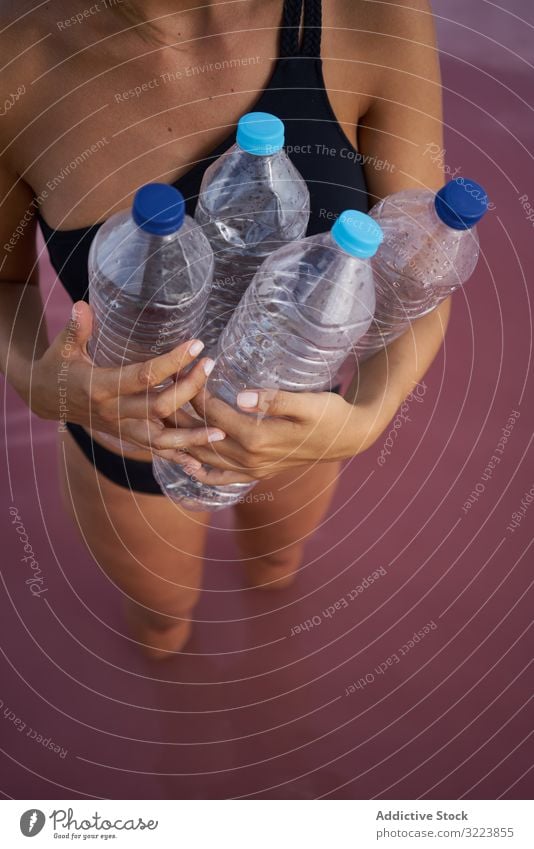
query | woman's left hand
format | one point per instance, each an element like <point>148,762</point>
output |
<point>296,429</point>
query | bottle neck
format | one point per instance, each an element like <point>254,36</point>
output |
<point>161,238</point>
<point>343,254</point>
<point>258,155</point>
<point>443,226</point>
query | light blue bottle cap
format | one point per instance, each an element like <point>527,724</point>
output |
<point>158,208</point>
<point>260,133</point>
<point>357,233</point>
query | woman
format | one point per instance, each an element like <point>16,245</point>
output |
<point>116,95</point>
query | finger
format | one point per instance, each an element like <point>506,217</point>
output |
<point>77,332</point>
<point>138,407</point>
<point>231,461</point>
<point>185,389</point>
<point>185,438</point>
<point>162,404</point>
<point>137,377</point>
<point>217,477</point>
<point>155,438</point>
<point>181,419</point>
<point>299,406</point>
<point>218,413</point>
<point>179,458</point>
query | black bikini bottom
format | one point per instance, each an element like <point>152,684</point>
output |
<point>131,474</point>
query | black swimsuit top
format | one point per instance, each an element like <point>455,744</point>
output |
<point>315,143</point>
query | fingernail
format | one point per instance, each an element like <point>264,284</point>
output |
<point>196,347</point>
<point>208,366</point>
<point>248,399</point>
<point>216,436</point>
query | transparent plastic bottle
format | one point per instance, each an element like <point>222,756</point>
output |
<point>252,201</point>
<point>430,248</point>
<point>307,306</point>
<point>150,275</point>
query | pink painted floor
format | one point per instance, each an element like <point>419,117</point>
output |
<point>251,710</point>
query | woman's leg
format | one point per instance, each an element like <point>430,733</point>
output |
<point>275,519</point>
<point>150,548</point>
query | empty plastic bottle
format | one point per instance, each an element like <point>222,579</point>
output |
<point>307,306</point>
<point>252,201</point>
<point>430,248</point>
<point>150,275</point>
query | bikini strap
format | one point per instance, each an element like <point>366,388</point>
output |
<point>289,37</point>
<point>311,41</point>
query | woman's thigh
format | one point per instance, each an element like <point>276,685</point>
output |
<point>279,514</point>
<point>150,548</point>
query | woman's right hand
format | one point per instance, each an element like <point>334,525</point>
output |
<point>121,401</point>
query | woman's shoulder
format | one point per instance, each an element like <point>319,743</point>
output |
<point>396,13</point>
<point>36,61</point>
<point>388,25</point>
<point>26,35</point>
<point>374,48</point>
<point>36,36</point>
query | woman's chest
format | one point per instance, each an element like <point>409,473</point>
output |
<point>86,143</point>
<point>92,132</point>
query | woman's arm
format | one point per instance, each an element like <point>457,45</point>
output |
<point>402,132</point>
<point>23,335</point>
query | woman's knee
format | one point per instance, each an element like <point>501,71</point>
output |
<point>161,619</point>
<point>165,598</point>
<point>273,569</point>
<point>285,559</point>
<point>157,635</point>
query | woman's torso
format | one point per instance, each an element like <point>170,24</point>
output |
<point>87,139</point>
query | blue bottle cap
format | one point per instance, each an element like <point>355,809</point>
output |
<point>461,203</point>
<point>158,208</point>
<point>357,233</point>
<point>260,133</point>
